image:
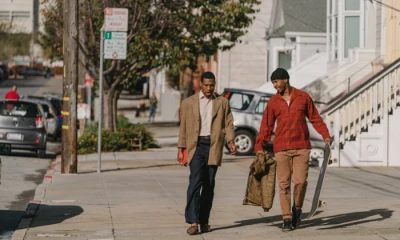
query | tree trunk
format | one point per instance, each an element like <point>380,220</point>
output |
<point>115,107</point>
<point>108,117</point>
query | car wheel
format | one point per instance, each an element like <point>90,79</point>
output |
<point>41,153</point>
<point>244,141</point>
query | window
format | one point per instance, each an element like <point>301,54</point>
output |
<point>352,5</point>
<point>261,105</point>
<point>18,109</point>
<point>239,101</point>
<point>351,34</point>
<point>284,59</point>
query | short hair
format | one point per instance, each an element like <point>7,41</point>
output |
<point>208,75</point>
<point>280,73</point>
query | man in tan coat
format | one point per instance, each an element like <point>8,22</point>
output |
<point>206,123</point>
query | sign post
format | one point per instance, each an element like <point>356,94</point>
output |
<point>113,46</point>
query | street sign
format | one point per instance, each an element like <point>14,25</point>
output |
<point>115,45</point>
<point>116,19</point>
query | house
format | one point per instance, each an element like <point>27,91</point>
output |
<point>23,15</point>
<point>364,116</point>
<point>355,82</point>
<point>245,65</point>
<point>295,34</point>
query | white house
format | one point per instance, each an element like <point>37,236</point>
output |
<point>245,65</point>
<point>358,84</point>
<point>24,17</point>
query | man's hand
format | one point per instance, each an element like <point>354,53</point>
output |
<point>328,141</point>
<point>232,147</point>
<point>180,155</point>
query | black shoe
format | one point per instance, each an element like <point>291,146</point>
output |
<point>287,225</point>
<point>296,217</point>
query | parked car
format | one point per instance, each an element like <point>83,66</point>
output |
<point>6,72</point>
<point>247,108</point>
<point>50,113</point>
<point>22,125</point>
<point>57,102</point>
<point>35,72</point>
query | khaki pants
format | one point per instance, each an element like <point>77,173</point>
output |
<point>292,165</point>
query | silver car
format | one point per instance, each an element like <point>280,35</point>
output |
<point>50,114</point>
<point>248,107</point>
<point>22,126</point>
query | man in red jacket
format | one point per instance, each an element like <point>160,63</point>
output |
<point>12,94</point>
<point>289,109</point>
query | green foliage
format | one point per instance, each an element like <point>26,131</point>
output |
<point>13,43</point>
<point>52,38</point>
<point>122,140</point>
<point>160,34</point>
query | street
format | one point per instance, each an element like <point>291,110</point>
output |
<point>22,171</point>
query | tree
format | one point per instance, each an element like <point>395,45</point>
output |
<point>162,33</point>
<point>51,39</point>
<point>17,43</point>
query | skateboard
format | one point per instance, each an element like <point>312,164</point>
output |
<point>317,202</point>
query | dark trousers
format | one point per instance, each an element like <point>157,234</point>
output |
<point>200,193</point>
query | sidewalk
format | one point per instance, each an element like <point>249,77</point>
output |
<point>142,196</point>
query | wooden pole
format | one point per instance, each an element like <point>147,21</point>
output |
<point>69,161</point>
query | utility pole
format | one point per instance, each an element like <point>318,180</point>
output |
<point>69,161</point>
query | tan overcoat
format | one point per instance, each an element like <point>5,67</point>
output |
<point>221,127</point>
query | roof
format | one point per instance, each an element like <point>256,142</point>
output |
<point>300,16</point>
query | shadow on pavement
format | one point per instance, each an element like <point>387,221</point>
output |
<point>7,225</point>
<point>328,222</point>
<point>51,214</point>
<point>46,215</point>
<point>349,219</point>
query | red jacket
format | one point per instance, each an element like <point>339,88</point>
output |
<point>291,126</point>
<point>11,95</point>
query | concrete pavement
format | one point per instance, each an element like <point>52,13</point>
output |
<point>137,197</point>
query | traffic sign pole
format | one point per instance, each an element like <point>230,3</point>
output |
<point>114,47</point>
<point>100,99</point>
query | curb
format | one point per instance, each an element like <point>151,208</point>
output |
<point>33,205</point>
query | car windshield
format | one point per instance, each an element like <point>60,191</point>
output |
<point>239,101</point>
<point>18,109</point>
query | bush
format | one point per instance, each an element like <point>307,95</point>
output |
<point>124,139</point>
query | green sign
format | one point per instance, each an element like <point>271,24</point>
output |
<point>108,35</point>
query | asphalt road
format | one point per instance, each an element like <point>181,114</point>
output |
<point>22,171</point>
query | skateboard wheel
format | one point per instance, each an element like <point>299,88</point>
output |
<point>322,203</point>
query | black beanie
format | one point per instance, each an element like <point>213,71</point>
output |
<point>279,73</point>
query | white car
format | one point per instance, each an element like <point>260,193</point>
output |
<point>248,107</point>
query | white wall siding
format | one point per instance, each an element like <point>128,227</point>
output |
<point>245,65</point>
<point>310,46</point>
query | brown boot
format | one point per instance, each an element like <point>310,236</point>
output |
<point>193,230</point>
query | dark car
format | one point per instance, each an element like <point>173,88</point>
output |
<point>23,126</point>
<point>6,72</point>
<point>35,72</point>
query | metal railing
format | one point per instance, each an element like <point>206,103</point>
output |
<point>345,86</point>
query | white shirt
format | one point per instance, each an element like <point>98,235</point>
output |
<point>205,114</point>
